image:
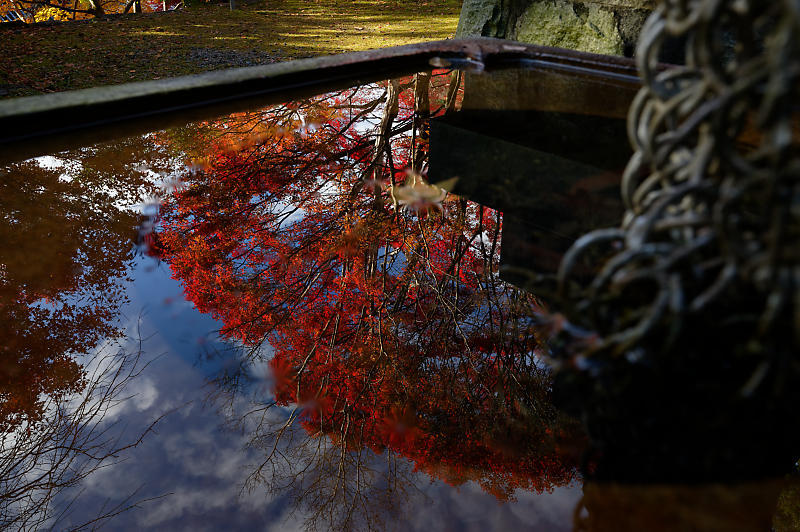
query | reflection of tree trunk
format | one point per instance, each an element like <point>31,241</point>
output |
<point>375,167</point>
<point>382,144</point>
<point>422,108</point>
<point>381,159</point>
<point>422,104</point>
<point>452,90</point>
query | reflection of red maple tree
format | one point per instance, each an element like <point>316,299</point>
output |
<point>392,330</point>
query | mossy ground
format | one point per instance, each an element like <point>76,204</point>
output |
<point>36,59</point>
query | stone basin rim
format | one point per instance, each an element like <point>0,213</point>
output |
<point>76,118</point>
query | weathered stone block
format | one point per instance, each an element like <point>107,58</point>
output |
<point>587,27</point>
<point>474,16</point>
<point>489,18</point>
<point>601,26</point>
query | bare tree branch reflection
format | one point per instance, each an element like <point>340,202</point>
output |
<point>73,439</point>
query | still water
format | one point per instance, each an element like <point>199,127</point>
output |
<point>326,314</point>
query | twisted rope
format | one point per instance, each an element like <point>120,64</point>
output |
<point>711,235</point>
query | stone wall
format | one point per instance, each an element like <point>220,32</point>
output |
<point>600,26</point>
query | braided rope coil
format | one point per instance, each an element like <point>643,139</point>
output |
<point>711,237</point>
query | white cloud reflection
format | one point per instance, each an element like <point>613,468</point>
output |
<point>201,467</point>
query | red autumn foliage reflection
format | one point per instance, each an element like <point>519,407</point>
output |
<point>391,329</point>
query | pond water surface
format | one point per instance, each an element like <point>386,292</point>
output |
<point>323,314</point>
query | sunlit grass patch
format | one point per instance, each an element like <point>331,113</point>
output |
<point>150,46</point>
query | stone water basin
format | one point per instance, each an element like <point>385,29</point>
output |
<point>322,312</point>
